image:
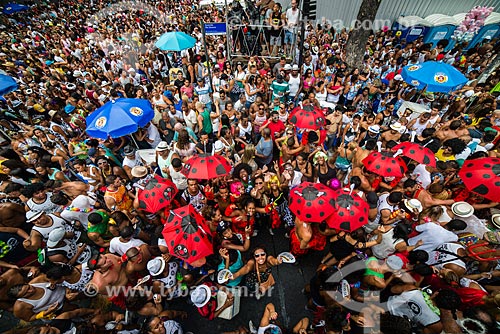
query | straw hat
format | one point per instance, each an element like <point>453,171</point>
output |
<point>139,171</point>
<point>495,220</point>
<point>462,209</point>
<point>413,204</point>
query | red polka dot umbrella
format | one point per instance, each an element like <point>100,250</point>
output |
<point>351,213</point>
<point>382,165</point>
<point>203,167</point>
<point>307,117</point>
<point>312,202</point>
<point>157,194</point>
<point>417,152</point>
<point>482,176</point>
<point>187,234</point>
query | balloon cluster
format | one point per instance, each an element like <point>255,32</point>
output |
<point>473,22</point>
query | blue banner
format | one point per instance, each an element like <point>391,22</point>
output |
<point>215,28</point>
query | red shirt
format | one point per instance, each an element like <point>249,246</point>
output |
<point>275,127</point>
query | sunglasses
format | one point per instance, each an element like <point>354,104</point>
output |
<point>259,255</point>
<point>259,182</point>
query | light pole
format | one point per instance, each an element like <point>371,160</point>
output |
<point>228,44</point>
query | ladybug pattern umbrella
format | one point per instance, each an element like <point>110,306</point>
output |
<point>351,212</point>
<point>417,152</point>
<point>308,117</point>
<point>157,194</point>
<point>312,202</point>
<point>187,234</point>
<point>382,165</point>
<point>482,177</point>
<point>206,167</point>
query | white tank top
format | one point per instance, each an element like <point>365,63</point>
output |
<point>251,98</point>
<point>419,127</point>
<point>49,297</point>
<point>46,206</point>
<point>321,97</point>
<point>165,163</point>
<point>158,102</point>
<point>283,118</point>
<point>178,178</point>
<point>260,119</point>
<point>383,204</point>
<point>387,246</point>
<point>56,222</point>
<point>294,84</point>
<point>445,253</point>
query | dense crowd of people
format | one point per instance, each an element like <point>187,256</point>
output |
<point>72,225</point>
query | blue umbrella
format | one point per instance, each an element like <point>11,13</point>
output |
<point>119,118</point>
<point>175,41</point>
<point>7,83</point>
<point>435,76</point>
<point>13,7</point>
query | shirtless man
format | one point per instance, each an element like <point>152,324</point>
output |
<point>12,215</point>
<point>366,180</point>
<point>254,107</point>
<point>413,189</point>
<point>73,188</point>
<point>333,128</point>
<point>452,130</point>
<point>137,260</point>
<point>361,153</point>
<point>108,272</point>
<point>392,134</point>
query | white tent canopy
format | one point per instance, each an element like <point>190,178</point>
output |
<point>412,21</point>
<point>435,20</point>
<point>440,19</point>
<point>492,19</point>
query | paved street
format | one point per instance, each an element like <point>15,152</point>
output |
<point>286,295</point>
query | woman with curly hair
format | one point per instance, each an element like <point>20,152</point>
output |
<point>184,147</point>
<point>450,149</point>
<point>242,214</point>
<point>243,172</point>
